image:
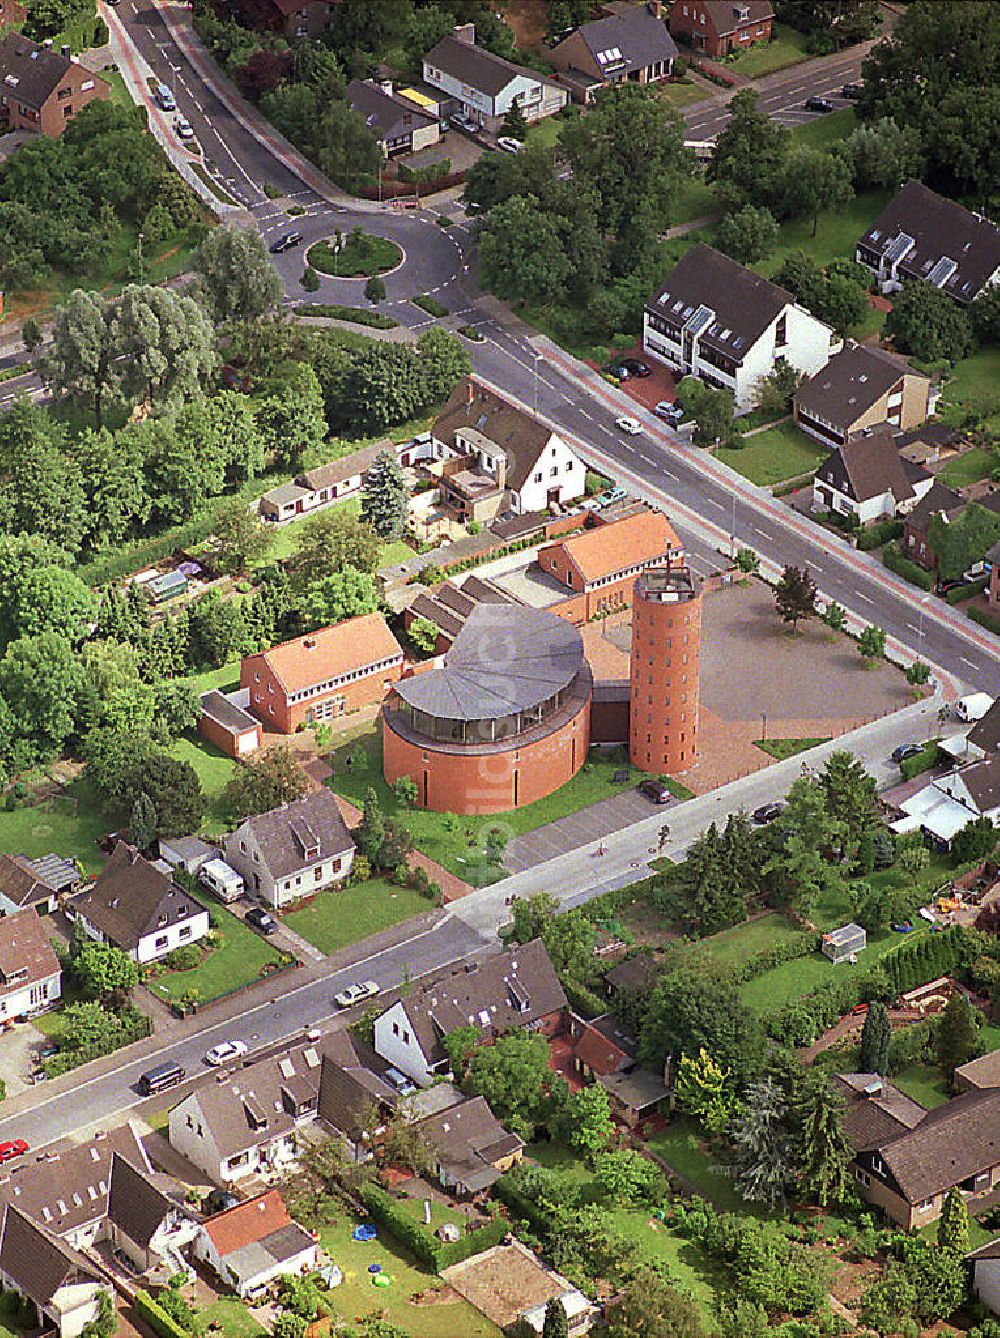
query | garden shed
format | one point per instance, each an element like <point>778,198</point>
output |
<point>844,944</point>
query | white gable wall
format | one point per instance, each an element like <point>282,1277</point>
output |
<point>396,1042</point>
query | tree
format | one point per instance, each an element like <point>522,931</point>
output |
<point>331,541</point>
<point>881,156</point>
<point>926,322</point>
<point>173,788</point>
<point>773,393</point>
<point>974,842</point>
<point>384,496</point>
<point>556,1324</point>
<point>956,1037</point>
<point>588,1124</point>
<point>984,313</point>
<point>374,289</point>
<point>762,1159</point>
<point>142,823</point>
<point>267,781</point>
<point>39,680</point>
<point>918,673</point>
<point>690,1011</point>
<point>514,124</point>
<point>851,797</point>
<point>798,866</point>
<point>835,616</point>
<point>287,1325</point>
<point>165,344</point>
<point>345,147</point>
<point>651,1308</point>
<point>629,1177</point>
<point>824,1152</point>
<point>876,1036</point>
<point>938,1276</point>
<point>964,540</point>
<point>82,359</point>
<point>748,235</point>
<point>405,790</point>
<point>871,644</point>
<point>514,1076</point>
<point>747,561</point>
<point>424,633</point>
<point>953,1226</point>
<point>521,253</point>
<point>712,410</point>
<point>243,539</point>
<point>344,594</point>
<point>103,972</point>
<point>31,335</point>
<point>53,599</point>
<point>748,161</point>
<point>370,834</point>
<point>795,596</point>
<point>702,1089</point>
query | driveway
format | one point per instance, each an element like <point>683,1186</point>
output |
<point>17,1055</point>
<point>578,829</point>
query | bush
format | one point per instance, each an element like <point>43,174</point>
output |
<point>376,320</point>
<point>430,304</point>
<point>963,592</point>
<point>310,280</point>
<point>184,958</point>
<point>984,619</point>
<point>920,762</point>
<point>420,1241</point>
<point>157,1318</point>
<point>874,536</point>
<point>893,558</point>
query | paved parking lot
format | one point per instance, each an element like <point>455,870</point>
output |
<point>589,824</point>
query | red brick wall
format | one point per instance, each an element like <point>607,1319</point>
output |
<point>703,36</point>
<point>53,118</point>
<point>287,717</point>
<point>488,783</point>
<point>663,719</point>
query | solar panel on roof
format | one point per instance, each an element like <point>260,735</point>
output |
<point>942,271</point>
<point>898,248</point>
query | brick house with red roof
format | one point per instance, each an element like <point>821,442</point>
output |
<point>41,89</point>
<point>719,28</point>
<point>323,675</point>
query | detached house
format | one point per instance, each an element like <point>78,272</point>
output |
<point>139,909</point>
<point>399,125</point>
<point>631,45</point>
<point>861,387</point>
<point>484,87</point>
<point>923,236</point>
<point>42,89</point>
<point>63,1286</point>
<point>35,883</point>
<point>315,488</point>
<point>470,1147</point>
<point>494,457</point>
<point>866,478</point>
<point>293,851</point>
<point>517,988</point>
<point>723,323</point>
<point>30,975</point>
<point>949,803</point>
<point>152,1230</point>
<point>602,563</point>
<point>294,18</point>
<point>254,1243</point>
<point>721,27</point>
<point>322,675</point>
<point>986,1274</point>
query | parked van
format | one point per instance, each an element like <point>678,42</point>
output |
<point>220,878</point>
<point>160,1078</point>
<point>164,99</point>
<point>973,707</point>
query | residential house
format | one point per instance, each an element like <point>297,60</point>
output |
<point>35,883</point>
<point>939,500</point>
<point>30,974</point>
<point>471,1149</point>
<point>254,1243</point>
<point>725,324</point>
<point>323,675</point>
<point>600,564</point>
<point>66,1189</point>
<point>867,480</point>
<point>986,1274</point>
<point>396,121</point>
<point>64,1287</point>
<point>720,28</point>
<point>42,89</point>
<point>315,488</point>
<point>923,236</point>
<point>635,1095</point>
<point>293,851</point>
<point>631,45</point>
<point>946,805</point>
<point>496,457</point>
<point>979,1074</point>
<point>517,988</point>
<point>293,18</point>
<point>12,14</point>
<point>601,1046</point>
<point>138,908</point>
<point>485,87</point>
<point>226,722</point>
<point>632,978</point>
<point>151,1229</point>
<point>358,1094</point>
<point>861,387</point>
<point>906,1159</point>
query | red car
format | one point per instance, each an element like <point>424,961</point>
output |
<point>15,1147</point>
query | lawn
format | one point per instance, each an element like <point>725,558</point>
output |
<point>825,130</point>
<point>234,1317</point>
<point>733,946</point>
<point>924,1083</point>
<point>459,843</point>
<point>787,47</point>
<point>778,453</point>
<point>236,963</point>
<point>358,256</point>
<point>974,384</point>
<point>681,93</point>
<point>226,679</point>
<point>784,748</point>
<point>334,919</point>
<point>357,1296</point>
<point>214,769</point>
<point>545,132</point>
<point>678,1145</point>
<point>393,550</point>
<point>68,825</point>
<point>836,233</point>
<point>696,200</point>
<point>969,467</point>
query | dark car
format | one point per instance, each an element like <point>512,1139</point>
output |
<point>619,370</point>
<point>819,105</point>
<point>285,242</point>
<point>767,813</point>
<point>904,751</point>
<point>656,791</point>
<point>943,587</point>
<point>635,367</point>
<point>261,921</point>
<point>220,1201</point>
<point>852,92</point>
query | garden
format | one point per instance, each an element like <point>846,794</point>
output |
<point>786,47</point>
<point>334,919</point>
<point>358,255</point>
<point>774,454</point>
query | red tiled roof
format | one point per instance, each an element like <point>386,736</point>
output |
<point>248,1222</point>
<point>331,651</point>
<point>607,549</point>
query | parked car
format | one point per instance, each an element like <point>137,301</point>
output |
<point>13,1147</point>
<point>225,1053</point>
<point>164,99</point>
<point>852,91</point>
<point>630,426</point>
<point>636,367</point>
<point>767,813</point>
<point>943,587</point>
<point>355,993</point>
<point>261,921</point>
<point>655,790</point>
<point>509,145</point>
<point>184,128</point>
<point>818,104</point>
<point>612,497</point>
<point>285,242</point>
<point>221,1200</point>
<point>671,413</point>
<point>904,751</point>
<point>619,370</point>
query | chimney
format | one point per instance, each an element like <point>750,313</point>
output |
<point>655,8</point>
<point>470,394</point>
<point>465,32</point>
<point>502,470</point>
<point>66,50</point>
<point>47,44</point>
<point>386,87</point>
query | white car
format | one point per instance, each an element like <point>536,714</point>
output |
<point>355,993</point>
<point>184,129</point>
<point>509,145</point>
<point>225,1053</point>
<point>631,426</point>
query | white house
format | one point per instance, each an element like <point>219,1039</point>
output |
<point>723,323</point>
<point>986,1274</point>
<point>64,1286</point>
<point>152,1230</point>
<point>951,802</point>
<point>868,479</point>
<point>139,909</point>
<point>252,1244</point>
<point>485,87</point>
<point>292,851</point>
<point>30,975</point>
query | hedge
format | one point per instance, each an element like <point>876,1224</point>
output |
<point>902,566</point>
<point>358,315</point>
<point>582,999</point>
<point>874,536</point>
<point>767,960</point>
<point>984,619</point>
<point>508,1193</point>
<point>919,762</point>
<point>157,1318</point>
<point>422,1243</point>
<point>961,593</point>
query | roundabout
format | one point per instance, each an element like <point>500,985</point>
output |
<point>356,255</point>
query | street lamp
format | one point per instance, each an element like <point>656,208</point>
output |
<point>140,258</point>
<point>536,355</point>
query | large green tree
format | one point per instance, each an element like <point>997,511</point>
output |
<point>876,1036</point>
<point>165,342</point>
<point>762,1150</point>
<point>824,1152</point>
<point>963,540</point>
<point>384,496</point>
<point>82,359</point>
<point>651,1308</point>
<point>926,322</point>
<point>690,1011</point>
<point>747,164</point>
<point>956,1037</point>
<point>331,541</point>
<point>40,680</point>
<point>234,276</point>
<point>514,1077</point>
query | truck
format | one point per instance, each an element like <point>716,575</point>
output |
<point>973,707</point>
<point>220,878</point>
